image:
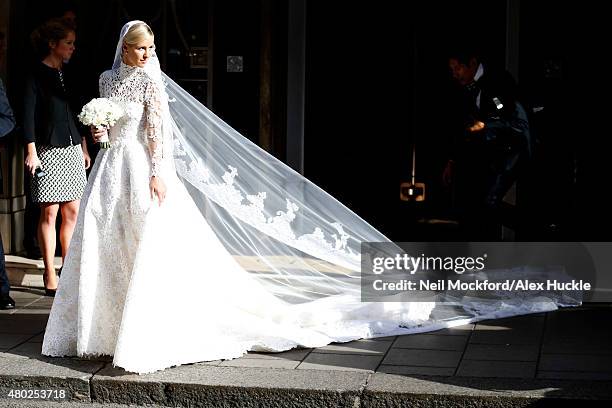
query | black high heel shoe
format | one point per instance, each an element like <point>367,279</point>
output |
<point>48,292</point>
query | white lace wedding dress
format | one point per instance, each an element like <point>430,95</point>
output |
<point>156,286</point>
<point>152,285</point>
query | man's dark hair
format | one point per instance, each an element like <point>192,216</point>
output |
<point>2,35</point>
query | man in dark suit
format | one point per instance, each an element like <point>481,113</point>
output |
<point>7,124</point>
<point>490,147</point>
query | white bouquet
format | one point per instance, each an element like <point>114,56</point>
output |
<point>101,112</point>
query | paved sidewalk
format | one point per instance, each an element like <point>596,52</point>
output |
<point>547,356</point>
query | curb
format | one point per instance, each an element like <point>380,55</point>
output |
<point>201,385</point>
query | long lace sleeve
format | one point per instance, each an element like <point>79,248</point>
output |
<point>153,117</point>
<point>104,84</point>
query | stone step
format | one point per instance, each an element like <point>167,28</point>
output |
<point>27,272</point>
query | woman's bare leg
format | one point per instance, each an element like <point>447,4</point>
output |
<point>70,211</point>
<point>46,240</point>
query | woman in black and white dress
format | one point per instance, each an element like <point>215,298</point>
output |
<point>53,142</point>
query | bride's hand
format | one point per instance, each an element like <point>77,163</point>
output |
<point>98,133</point>
<point>157,188</point>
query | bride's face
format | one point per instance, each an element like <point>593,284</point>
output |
<point>137,55</point>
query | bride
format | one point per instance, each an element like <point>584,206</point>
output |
<point>193,244</point>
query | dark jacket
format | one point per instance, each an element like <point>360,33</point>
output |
<point>490,160</point>
<point>506,125</point>
<point>48,118</point>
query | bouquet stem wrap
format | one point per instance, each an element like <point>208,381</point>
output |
<point>104,142</point>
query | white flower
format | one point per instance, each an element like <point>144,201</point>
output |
<point>100,112</point>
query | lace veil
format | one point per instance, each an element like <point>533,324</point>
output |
<point>269,216</point>
<point>299,241</point>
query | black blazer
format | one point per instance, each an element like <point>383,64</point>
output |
<point>48,117</point>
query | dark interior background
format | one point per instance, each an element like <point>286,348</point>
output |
<point>376,82</point>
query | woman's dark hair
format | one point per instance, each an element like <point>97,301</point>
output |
<point>55,29</point>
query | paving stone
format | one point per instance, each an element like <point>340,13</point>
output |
<point>585,326</point>
<point>576,335</point>
<point>463,330</point>
<point>19,327</point>
<point>498,369</point>
<point>43,302</point>
<point>388,338</point>
<point>8,341</point>
<point>428,358</point>
<point>340,362</point>
<point>509,336</point>
<point>575,375</point>
<point>507,352</point>
<point>8,354</point>
<point>23,294</point>
<point>32,350</point>
<point>595,346</point>
<point>416,370</point>
<point>31,311</point>
<point>388,390</point>
<point>575,362</point>
<point>7,319</point>
<point>525,321</point>
<point>578,317</point>
<point>366,347</point>
<point>429,342</point>
<point>39,302</point>
<point>500,327</point>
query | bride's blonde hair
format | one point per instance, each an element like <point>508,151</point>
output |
<point>137,33</point>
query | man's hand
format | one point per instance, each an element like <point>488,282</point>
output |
<point>477,126</point>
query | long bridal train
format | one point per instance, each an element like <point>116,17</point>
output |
<point>244,253</point>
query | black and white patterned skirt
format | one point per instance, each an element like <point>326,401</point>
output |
<point>65,177</point>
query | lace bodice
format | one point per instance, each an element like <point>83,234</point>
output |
<point>141,100</point>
